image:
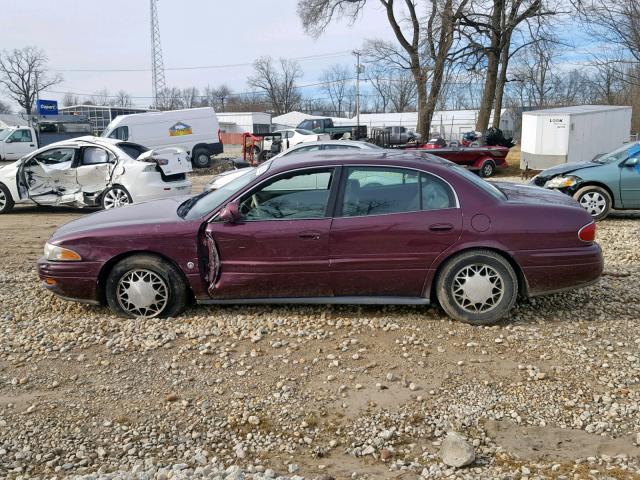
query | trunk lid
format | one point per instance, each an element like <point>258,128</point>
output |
<point>171,160</point>
<point>517,193</point>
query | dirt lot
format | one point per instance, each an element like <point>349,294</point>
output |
<point>318,392</point>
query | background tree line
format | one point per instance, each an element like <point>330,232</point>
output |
<point>445,54</point>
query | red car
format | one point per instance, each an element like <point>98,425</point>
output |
<point>483,160</point>
<point>368,228</point>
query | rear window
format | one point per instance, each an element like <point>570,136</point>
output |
<point>132,149</point>
<point>483,184</point>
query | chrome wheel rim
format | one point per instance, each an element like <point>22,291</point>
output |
<point>142,293</point>
<point>116,197</point>
<point>3,200</point>
<point>594,203</point>
<point>478,288</point>
<point>487,170</point>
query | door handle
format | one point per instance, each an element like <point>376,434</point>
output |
<point>441,227</point>
<point>309,235</point>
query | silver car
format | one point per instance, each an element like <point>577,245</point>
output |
<point>222,179</point>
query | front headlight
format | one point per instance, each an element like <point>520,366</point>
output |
<point>561,182</point>
<point>60,254</point>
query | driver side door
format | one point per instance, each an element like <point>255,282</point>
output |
<point>279,248</point>
<point>630,182</point>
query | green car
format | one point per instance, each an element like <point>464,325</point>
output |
<point>610,181</point>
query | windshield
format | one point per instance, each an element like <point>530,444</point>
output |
<point>202,204</point>
<point>488,187</point>
<point>302,131</point>
<point>4,134</point>
<point>618,154</point>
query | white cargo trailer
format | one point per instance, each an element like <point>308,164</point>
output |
<point>572,134</point>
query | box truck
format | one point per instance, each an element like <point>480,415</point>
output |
<point>195,130</point>
<point>572,134</point>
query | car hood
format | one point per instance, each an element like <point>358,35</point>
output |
<point>567,168</point>
<point>534,195</point>
<point>137,215</point>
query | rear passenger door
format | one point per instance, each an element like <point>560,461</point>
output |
<point>389,227</point>
<point>94,169</point>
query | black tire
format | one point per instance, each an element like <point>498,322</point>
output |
<point>595,200</point>
<point>495,273</point>
<point>487,169</point>
<point>6,200</point>
<point>171,285</point>
<point>115,197</point>
<point>201,158</point>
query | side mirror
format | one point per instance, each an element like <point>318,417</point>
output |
<point>8,140</point>
<point>632,162</point>
<point>230,213</point>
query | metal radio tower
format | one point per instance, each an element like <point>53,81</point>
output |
<point>157,64</point>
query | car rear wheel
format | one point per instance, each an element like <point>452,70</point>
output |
<point>201,158</point>
<point>478,287</point>
<point>145,286</point>
<point>595,200</point>
<point>116,197</point>
<point>6,200</point>
<point>487,169</point>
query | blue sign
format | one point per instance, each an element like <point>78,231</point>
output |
<point>47,107</point>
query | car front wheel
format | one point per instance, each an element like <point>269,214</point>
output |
<point>6,200</point>
<point>145,286</point>
<point>116,197</point>
<point>477,287</point>
<point>595,200</point>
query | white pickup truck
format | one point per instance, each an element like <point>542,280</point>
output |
<point>16,142</point>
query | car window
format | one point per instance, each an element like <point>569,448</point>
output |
<point>294,196</point>
<point>132,149</point>
<point>378,191</point>
<point>302,131</point>
<point>56,156</point>
<point>310,148</point>
<point>120,133</point>
<point>94,156</point>
<point>306,125</point>
<point>340,147</point>
<point>21,135</point>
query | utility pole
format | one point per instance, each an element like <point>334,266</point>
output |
<point>358,71</point>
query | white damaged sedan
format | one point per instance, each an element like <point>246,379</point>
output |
<point>94,172</point>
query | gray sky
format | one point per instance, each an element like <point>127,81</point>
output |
<point>91,34</point>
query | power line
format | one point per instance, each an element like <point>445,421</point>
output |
<point>201,67</point>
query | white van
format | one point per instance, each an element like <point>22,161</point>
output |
<point>195,130</point>
<point>16,142</point>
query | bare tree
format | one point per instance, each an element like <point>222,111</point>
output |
<point>377,74</point>
<point>533,74</point>
<point>23,75</point>
<point>335,81</point>
<point>101,97</point>
<point>277,84</point>
<point>217,97</point>
<point>190,97</point>
<point>70,100</point>
<point>5,107</point>
<point>403,92</point>
<point>489,29</point>
<point>122,99</point>
<point>616,23</point>
<point>423,46</point>
<point>169,98</point>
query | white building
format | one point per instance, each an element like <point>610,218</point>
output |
<point>449,124</point>
<point>240,122</point>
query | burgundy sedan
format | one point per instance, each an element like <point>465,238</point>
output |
<point>350,228</point>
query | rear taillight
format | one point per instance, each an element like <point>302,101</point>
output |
<point>588,232</point>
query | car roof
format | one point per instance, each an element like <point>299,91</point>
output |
<point>363,157</point>
<point>355,143</point>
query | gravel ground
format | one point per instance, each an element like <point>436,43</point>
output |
<point>319,391</point>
